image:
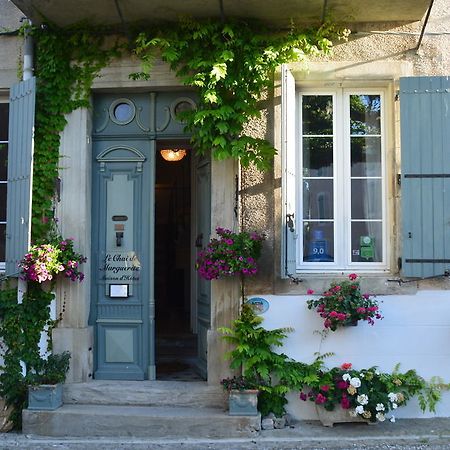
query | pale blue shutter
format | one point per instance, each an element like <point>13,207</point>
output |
<point>425,180</point>
<point>20,160</point>
<point>288,115</point>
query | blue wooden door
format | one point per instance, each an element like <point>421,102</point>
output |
<point>203,222</point>
<point>126,130</point>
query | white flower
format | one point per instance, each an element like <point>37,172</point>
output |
<point>362,399</point>
<point>394,405</point>
<point>392,396</point>
<point>380,407</point>
<point>355,382</point>
<point>352,413</point>
<point>377,372</point>
<point>346,377</point>
<point>359,409</point>
<point>380,417</point>
<point>392,419</point>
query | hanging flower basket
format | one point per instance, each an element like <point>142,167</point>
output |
<point>343,305</point>
<point>230,254</point>
<point>45,261</point>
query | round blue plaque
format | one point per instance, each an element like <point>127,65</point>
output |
<point>260,305</point>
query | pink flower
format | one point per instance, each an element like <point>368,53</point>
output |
<point>303,396</point>
<point>327,323</point>
<point>310,291</point>
<point>345,402</point>
<point>352,276</point>
<point>325,388</point>
<point>341,384</point>
<point>346,366</point>
<point>360,310</point>
<point>320,399</point>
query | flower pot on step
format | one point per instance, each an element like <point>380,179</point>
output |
<point>47,397</point>
<point>243,402</point>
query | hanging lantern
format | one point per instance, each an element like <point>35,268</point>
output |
<point>173,154</point>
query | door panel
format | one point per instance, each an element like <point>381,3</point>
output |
<point>203,220</point>
<point>123,183</point>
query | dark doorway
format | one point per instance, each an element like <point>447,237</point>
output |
<point>176,345</point>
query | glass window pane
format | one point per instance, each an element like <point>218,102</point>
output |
<point>3,162</point>
<point>317,157</point>
<point>318,199</point>
<point>366,156</point>
<point>123,112</point>
<point>365,114</point>
<point>366,199</point>
<point>317,114</point>
<point>367,242</point>
<point>4,121</point>
<point>318,242</point>
<point>3,202</point>
<point>2,241</point>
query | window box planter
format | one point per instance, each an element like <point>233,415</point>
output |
<point>338,415</point>
<point>46,397</point>
<point>243,402</point>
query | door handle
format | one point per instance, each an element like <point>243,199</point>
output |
<point>199,241</point>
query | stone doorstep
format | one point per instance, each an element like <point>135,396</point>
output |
<point>145,393</point>
<point>139,421</point>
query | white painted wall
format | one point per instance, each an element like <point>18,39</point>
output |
<point>415,332</point>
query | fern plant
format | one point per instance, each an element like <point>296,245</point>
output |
<point>255,357</point>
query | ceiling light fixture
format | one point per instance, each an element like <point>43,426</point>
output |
<point>173,154</point>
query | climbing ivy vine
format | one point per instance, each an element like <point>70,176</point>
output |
<point>67,61</point>
<point>231,66</point>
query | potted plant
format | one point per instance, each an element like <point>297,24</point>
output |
<point>367,394</point>
<point>45,261</point>
<point>343,304</point>
<point>45,382</point>
<point>230,254</point>
<point>242,395</point>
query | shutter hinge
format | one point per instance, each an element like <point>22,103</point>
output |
<point>397,96</point>
<point>399,263</point>
<point>399,179</point>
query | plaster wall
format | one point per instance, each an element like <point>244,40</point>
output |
<point>10,45</point>
<point>414,333</point>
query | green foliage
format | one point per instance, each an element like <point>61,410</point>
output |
<point>369,393</point>
<point>20,330</point>
<point>231,66</point>
<point>52,370</point>
<point>253,354</point>
<point>67,61</point>
<point>343,304</point>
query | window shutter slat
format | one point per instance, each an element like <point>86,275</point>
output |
<point>20,160</point>
<point>288,116</point>
<point>425,137</point>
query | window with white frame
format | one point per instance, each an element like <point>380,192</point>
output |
<point>4,114</point>
<point>340,178</point>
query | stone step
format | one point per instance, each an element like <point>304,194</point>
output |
<point>138,421</point>
<point>145,393</point>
